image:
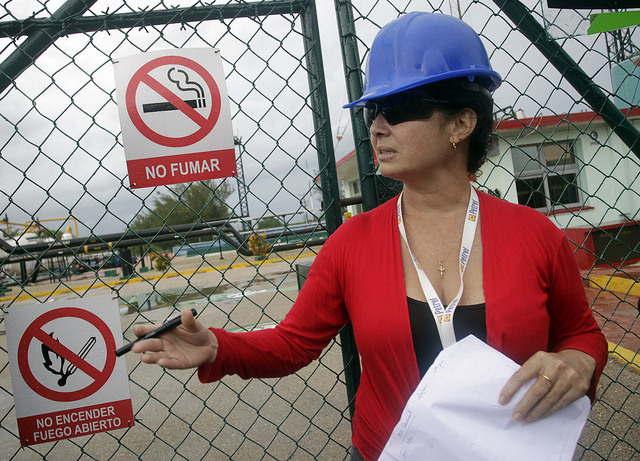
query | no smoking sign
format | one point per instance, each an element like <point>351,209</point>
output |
<point>66,378</point>
<point>175,117</point>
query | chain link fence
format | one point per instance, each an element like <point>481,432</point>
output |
<point>72,227</point>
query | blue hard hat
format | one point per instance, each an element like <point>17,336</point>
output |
<point>420,48</point>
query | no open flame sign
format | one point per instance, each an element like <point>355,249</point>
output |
<point>65,376</point>
<point>175,117</point>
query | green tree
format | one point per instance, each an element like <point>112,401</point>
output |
<point>186,203</point>
<point>269,222</point>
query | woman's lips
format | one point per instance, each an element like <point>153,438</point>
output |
<point>385,153</point>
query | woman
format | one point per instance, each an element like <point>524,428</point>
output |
<point>393,272</point>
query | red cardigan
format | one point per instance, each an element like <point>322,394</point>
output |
<point>535,301</point>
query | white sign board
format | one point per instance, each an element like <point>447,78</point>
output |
<point>175,116</point>
<point>66,378</point>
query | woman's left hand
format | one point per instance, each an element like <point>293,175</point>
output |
<point>562,377</point>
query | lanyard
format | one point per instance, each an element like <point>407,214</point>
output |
<point>443,315</point>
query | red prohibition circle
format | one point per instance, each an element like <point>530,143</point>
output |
<point>35,332</point>
<point>206,124</point>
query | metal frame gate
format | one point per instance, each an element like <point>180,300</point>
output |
<point>60,150</point>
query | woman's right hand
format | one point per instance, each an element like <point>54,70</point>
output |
<point>188,346</point>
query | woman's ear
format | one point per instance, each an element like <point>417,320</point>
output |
<point>464,123</point>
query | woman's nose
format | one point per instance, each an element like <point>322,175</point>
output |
<point>380,126</point>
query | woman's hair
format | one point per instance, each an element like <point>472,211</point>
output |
<point>460,94</point>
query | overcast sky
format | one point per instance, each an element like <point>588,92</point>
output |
<point>61,152</point>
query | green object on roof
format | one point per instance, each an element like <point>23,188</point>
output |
<point>604,22</point>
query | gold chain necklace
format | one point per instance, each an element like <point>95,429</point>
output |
<point>441,267</point>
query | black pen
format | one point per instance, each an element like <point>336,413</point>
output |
<point>166,326</point>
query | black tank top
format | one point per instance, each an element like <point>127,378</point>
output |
<point>468,320</point>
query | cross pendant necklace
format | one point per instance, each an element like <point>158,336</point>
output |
<point>441,267</point>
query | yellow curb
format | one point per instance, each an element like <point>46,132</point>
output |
<point>617,284</point>
<point>624,356</point>
<point>152,277</point>
<point>62,290</point>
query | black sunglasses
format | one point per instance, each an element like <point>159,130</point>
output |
<point>396,110</point>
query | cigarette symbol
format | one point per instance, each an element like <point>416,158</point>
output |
<point>182,81</point>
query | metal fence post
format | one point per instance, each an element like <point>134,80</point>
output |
<point>38,42</point>
<point>329,177</point>
<point>353,75</point>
